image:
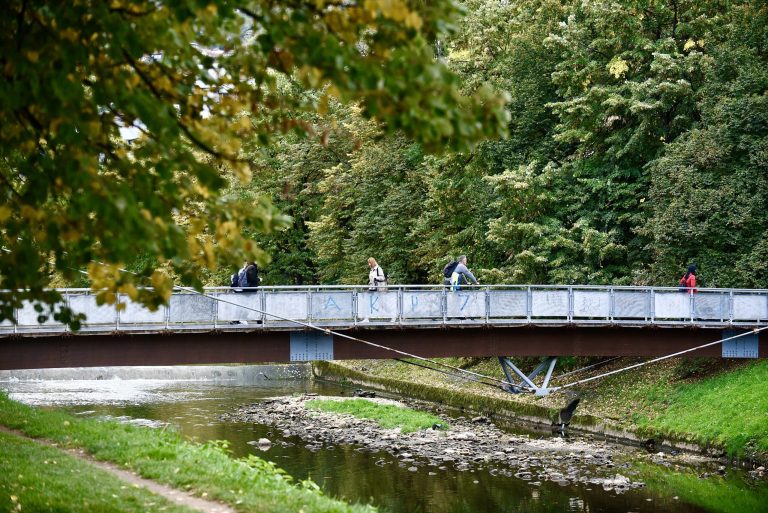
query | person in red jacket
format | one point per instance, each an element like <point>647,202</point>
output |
<point>688,281</point>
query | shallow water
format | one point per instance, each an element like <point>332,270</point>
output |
<point>346,472</point>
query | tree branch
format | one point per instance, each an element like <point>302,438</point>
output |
<point>184,128</point>
<point>20,25</point>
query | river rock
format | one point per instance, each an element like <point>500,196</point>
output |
<point>466,445</point>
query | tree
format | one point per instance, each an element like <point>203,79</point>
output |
<point>120,121</point>
<point>709,190</point>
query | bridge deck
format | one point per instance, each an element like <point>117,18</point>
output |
<point>426,321</point>
<point>411,306</point>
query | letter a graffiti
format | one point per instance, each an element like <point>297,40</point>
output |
<point>331,303</point>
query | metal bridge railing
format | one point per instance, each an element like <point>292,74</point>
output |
<point>414,305</point>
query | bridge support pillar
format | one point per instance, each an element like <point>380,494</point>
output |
<point>527,383</point>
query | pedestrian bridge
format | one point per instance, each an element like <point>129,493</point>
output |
<point>224,325</point>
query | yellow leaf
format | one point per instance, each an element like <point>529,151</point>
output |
<point>107,297</point>
<point>53,126</point>
<point>311,75</point>
<point>162,284</point>
<point>196,226</point>
<point>413,20</point>
<point>210,259</point>
<point>617,67</point>
<point>70,236</point>
<point>132,80</point>
<point>5,213</point>
<point>130,290</point>
<point>242,171</point>
<point>70,34</point>
<point>164,83</point>
<point>244,123</point>
<point>30,213</point>
<point>158,279</point>
<point>332,90</point>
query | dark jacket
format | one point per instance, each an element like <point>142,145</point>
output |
<point>251,276</point>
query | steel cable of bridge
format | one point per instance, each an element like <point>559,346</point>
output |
<point>451,374</point>
<point>660,358</point>
<point>578,371</point>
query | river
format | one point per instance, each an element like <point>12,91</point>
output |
<point>348,472</point>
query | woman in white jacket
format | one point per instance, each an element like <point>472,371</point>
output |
<point>377,280</point>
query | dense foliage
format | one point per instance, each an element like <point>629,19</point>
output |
<point>121,122</point>
<point>638,144</point>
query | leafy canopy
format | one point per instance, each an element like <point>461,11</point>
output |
<point>120,121</point>
<point>638,144</point>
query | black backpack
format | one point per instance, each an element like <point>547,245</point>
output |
<point>448,269</point>
<point>233,280</point>
<point>383,274</point>
<point>249,277</point>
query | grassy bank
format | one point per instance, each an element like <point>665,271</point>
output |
<point>386,415</point>
<point>717,403</point>
<point>249,484</point>
<point>43,479</point>
<point>729,409</point>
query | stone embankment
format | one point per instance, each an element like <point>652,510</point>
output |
<point>467,445</point>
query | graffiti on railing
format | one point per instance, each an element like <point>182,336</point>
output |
<point>414,305</point>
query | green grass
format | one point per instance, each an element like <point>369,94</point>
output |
<point>408,381</point>
<point>730,409</point>
<point>249,484</point>
<point>43,479</point>
<point>386,415</point>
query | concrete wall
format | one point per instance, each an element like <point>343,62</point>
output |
<point>241,374</point>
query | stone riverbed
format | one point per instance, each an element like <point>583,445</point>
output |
<point>469,444</point>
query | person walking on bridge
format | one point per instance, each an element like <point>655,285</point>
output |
<point>688,281</point>
<point>248,277</point>
<point>377,279</point>
<point>462,272</point>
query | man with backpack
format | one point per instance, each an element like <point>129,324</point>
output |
<point>246,278</point>
<point>250,276</point>
<point>455,271</point>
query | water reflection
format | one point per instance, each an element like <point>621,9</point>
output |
<point>349,473</point>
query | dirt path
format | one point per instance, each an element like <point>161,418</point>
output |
<point>179,497</point>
